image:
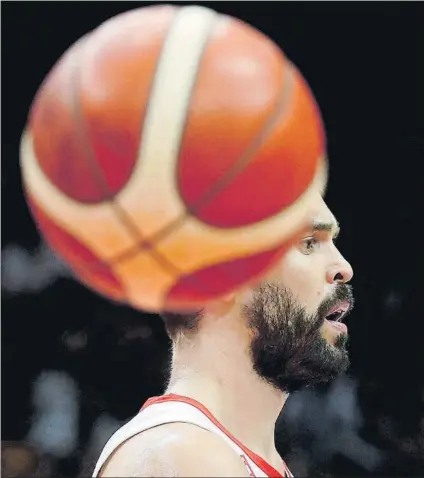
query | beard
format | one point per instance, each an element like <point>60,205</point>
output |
<point>287,349</point>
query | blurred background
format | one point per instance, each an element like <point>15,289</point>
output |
<point>76,367</point>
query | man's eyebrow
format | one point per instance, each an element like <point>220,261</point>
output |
<point>319,226</point>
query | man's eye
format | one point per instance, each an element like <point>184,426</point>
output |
<point>309,244</point>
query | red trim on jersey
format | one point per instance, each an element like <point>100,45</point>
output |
<point>260,462</point>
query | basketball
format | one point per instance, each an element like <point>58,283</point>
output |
<point>170,156</point>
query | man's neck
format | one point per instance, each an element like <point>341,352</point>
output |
<point>217,372</point>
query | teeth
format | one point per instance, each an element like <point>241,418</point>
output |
<point>341,314</point>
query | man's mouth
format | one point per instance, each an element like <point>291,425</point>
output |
<point>339,311</point>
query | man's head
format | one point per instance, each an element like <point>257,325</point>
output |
<point>291,342</point>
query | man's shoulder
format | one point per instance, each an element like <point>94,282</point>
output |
<point>174,449</point>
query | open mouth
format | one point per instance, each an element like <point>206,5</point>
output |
<point>338,311</point>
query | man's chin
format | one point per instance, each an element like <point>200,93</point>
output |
<point>333,333</point>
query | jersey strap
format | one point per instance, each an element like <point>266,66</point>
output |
<point>259,462</point>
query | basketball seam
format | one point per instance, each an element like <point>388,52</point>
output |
<point>196,282</point>
<point>252,148</point>
<point>76,111</point>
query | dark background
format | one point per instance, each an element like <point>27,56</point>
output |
<point>76,366</point>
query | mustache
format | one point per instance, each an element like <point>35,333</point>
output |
<point>342,293</point>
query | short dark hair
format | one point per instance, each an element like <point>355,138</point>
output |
<point>178,324</point>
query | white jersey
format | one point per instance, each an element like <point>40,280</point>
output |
<point>178,409</point>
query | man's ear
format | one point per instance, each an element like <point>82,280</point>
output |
<point>223,304</point>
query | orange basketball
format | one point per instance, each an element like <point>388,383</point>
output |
<point>171,155</point>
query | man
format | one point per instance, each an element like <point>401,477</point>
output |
<point>234,364</point>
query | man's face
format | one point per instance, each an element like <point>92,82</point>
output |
<point>293,343</point>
